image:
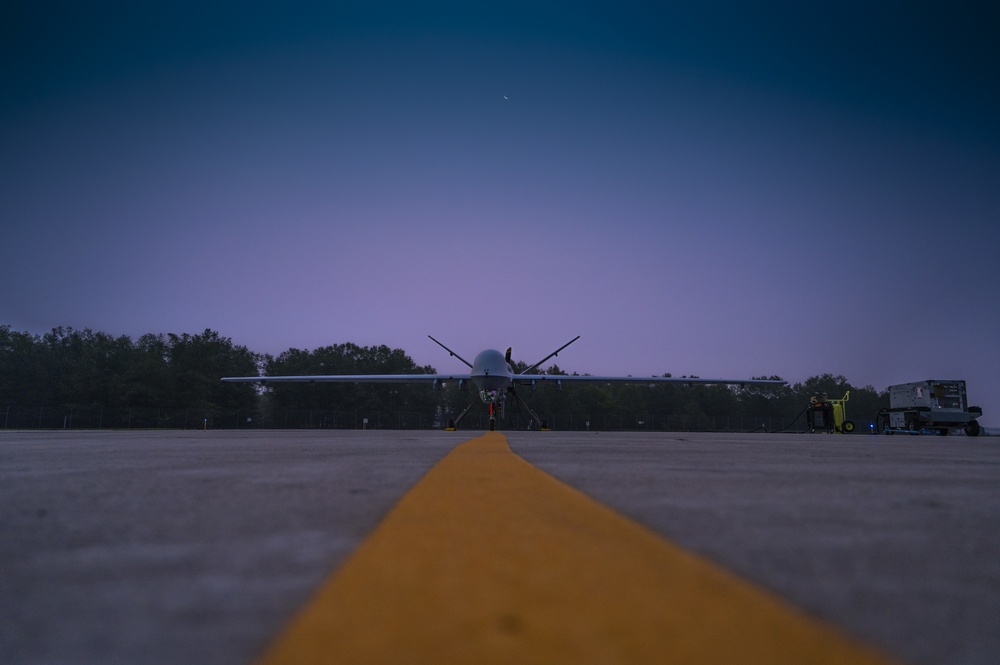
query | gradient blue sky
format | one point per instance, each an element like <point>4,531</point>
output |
<point>721,189</point>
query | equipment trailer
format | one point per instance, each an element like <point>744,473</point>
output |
<point>925,407</point>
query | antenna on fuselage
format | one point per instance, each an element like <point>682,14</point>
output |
<point>455,354</point>
<point>554,353</point>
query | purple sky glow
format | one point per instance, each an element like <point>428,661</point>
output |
<point>716,189</point>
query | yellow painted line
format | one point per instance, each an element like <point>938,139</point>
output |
<point>490,560</point>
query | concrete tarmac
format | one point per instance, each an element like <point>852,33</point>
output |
<point>895,538</point>
<point>121,547</point>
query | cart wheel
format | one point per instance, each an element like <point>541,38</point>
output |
<point>973,428</point>
<point>847,427</point>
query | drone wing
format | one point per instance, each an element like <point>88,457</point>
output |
<point>351,378</point>
<point>559,378</point>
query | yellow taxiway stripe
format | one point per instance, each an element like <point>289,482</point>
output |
<point>490,560</point>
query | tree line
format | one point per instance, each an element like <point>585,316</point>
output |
<point>83,367</point>
<point>69,371</point>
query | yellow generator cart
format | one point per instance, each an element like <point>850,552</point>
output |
<point>829,415</point>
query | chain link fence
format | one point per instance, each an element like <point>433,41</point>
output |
<point>99,417</point>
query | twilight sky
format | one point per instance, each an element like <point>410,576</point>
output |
<point>715,188</point>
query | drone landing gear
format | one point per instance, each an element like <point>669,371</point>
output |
<point>542,425</point>
<point>497,412</point>
<point>453,423</point>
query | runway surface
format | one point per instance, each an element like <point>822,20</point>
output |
<point>216,547</point>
